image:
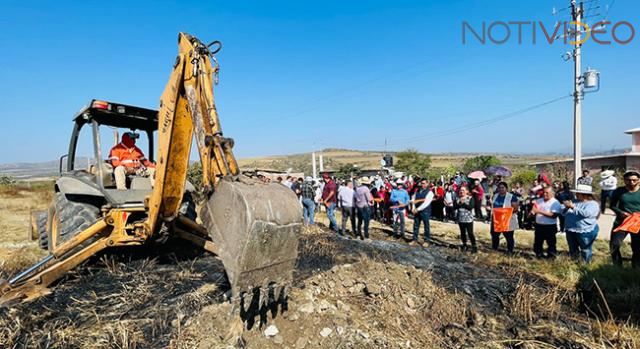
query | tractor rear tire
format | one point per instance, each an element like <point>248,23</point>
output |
<point>72,217</point>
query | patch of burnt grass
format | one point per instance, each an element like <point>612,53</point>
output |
<point>134,303</point>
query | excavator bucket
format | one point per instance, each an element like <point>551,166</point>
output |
<point>255,227</point>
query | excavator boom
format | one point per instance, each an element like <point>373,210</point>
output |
<point>252,226</point>
<point>187,108</point>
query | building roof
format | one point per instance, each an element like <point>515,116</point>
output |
<point>595,157</point>
<point>633,130</point>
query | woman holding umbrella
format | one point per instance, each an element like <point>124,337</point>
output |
<point>477,192</point>
<point>500,171</point>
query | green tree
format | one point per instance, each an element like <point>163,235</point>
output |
<point>479,163</point>
<point>449,171</point>
<point>347,170</point>
<point>411,161</point>
<point>524,176</point>
<point>194,175</point>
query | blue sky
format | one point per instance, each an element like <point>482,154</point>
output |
<point>303,75</point>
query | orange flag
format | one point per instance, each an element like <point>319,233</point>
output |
<point>501,219</point>
<point>631,224</point>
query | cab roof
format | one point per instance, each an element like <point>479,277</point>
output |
<point>118,115</point>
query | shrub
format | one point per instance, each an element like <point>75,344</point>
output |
<point>412,162</point>
<point>7,180</point>
<point>479,163</point>
<point>194,175</point>
<point>525,176</point>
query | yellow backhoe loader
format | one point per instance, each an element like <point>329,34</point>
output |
<point>251,226</point>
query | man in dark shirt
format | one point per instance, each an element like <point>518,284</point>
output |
<point>308,193</point>
<point>329,200</point>
<point>296,185</point>
<point>564,195</point>
<point>586,178</point>
<point>625,201</point>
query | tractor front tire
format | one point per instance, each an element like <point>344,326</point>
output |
<point>39,228</point>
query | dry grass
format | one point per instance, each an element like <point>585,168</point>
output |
<point>17,251</point>
<point>118,303</point>
<point>547,291</point>
<point>127,302</point>
<point>532,301</point>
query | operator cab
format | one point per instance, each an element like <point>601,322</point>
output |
<point>103,124</point>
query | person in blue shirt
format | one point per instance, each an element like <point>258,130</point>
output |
<point>564,195</point>
<point>399,201</point>
<point>581,222</point>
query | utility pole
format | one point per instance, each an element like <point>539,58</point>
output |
<point>576,14</point>
<point>313,165</point>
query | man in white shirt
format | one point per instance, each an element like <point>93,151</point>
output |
<point>546,210</point>
<point>608,184</point>
<point>345,200</point>
<point>287,182</point>
<point>422,213</point>
<point>379,183</point>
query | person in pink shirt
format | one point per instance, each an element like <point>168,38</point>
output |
<point>478,194</point>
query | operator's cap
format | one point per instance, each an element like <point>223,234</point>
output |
<point>132,135</point>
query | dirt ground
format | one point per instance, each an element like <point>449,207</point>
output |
<point>347,293</point>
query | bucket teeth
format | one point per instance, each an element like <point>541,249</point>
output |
<point>245,301</point>
<point>263,297</point>
<point>277,290</point>
<point>250,300</point>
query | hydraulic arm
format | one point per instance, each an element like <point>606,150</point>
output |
<point>251,226</point>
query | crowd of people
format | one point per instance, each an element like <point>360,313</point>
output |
<point>547,207</point>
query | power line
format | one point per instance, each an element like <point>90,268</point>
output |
<point>478,124</point>
<point>347,92</point>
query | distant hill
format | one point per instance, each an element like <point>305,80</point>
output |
<point>24,170</point>
<point>301,162</point>
<point>30,170</point>
<point>334,158</point>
